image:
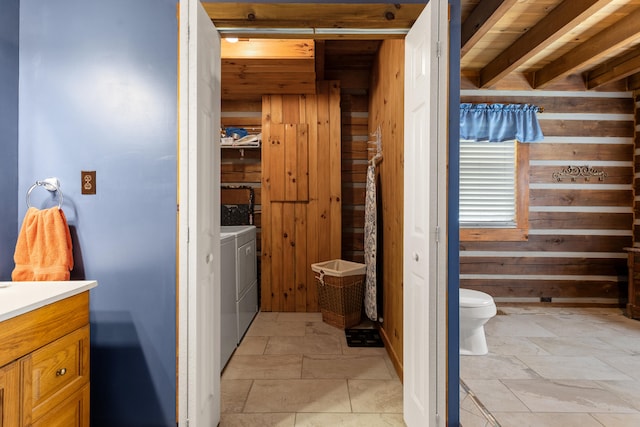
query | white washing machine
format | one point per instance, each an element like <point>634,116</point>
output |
<point>246,276</point>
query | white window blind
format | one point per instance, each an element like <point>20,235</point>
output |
<point>487,184</point>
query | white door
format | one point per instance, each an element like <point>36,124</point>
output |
<point>199,228</point>
<point>425,108</point>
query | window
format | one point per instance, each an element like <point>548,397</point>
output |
<point>493,190</point>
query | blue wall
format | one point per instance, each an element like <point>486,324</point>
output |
<point>98,91</point>
<point>9,30</point>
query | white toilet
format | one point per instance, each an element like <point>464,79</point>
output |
<point>476,308</point>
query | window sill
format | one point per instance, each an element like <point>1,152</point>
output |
<point>494,234</point>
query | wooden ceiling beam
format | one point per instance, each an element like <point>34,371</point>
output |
<point>617,69</point>
<point>314,15</point>
<point>479,22</point>
<point>557,23</point>
<point>619,34</point>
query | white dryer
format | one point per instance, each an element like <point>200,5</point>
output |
<point>228,315</point>
<point>246,276</point>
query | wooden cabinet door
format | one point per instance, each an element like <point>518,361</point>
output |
<point>54,372</point>
<point>287,153</point>
<point>10,395</point>
<point>301,195</point>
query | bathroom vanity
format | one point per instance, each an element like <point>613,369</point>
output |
<point>44,353</point>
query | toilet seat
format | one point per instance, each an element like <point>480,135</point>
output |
<point>470,299</point>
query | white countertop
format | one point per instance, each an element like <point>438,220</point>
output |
<point>17,298</point>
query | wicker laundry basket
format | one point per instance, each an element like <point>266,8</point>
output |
<point>340,291</point>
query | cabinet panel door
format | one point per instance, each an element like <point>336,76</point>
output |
<point>9,395</point>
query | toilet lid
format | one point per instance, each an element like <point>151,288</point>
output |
<point>471,298</point>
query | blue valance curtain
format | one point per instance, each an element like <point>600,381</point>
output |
<point>499,122</point>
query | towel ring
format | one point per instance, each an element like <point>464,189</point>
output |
<point>50,184</point>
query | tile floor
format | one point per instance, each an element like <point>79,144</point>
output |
<point>554,367</point>
<point>292,369</point>
<point>546,367</point>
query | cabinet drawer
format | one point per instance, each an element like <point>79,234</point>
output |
<point>56,371</point>
<point>72,412</point>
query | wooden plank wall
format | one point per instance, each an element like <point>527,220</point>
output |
<point>302,222</point>
<point>387,111</point>
<point>577,230</point>
<point>245,168</point>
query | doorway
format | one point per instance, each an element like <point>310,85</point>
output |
<point>431,232</point>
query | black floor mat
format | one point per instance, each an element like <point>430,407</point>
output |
<point>363,338</point>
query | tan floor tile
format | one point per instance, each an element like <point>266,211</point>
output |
<point>513,346</point>
<point>471,416</point>
<point>263,367</point>
<point>629,365</point>
<point>252,345</point>
<point>321,328</point>
<point>513,419</point>
<point>515,326</point>
<point>491,367</point>
<point>300,317</point>
<point>568,325</point>
<point>308,344</point>
<point>623,342</point>
<point>257,420</point>
<point>572,368</point>
<point>567,396</point>
<point>383,396</point>
<point>618,420</point>
<point>348,367</point>
<point>233,394</point>
<point>298,396</point>
<point>349,420</point>
<point>627,390</point>
<point>274,328</point>
<point>495,396</point>
<point>362,351</point>
<point>266,316</point>
<point>578,346</point>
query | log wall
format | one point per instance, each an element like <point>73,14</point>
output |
<point>577,229</point>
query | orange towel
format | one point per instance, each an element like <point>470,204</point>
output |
<point>43,250</point>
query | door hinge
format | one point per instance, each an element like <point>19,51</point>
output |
<point>438,49</point>
<point>437,234</point>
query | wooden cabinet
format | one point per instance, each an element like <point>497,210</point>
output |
<point>10,395</point>
<point>45,379</point>
<point>301,198</point>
